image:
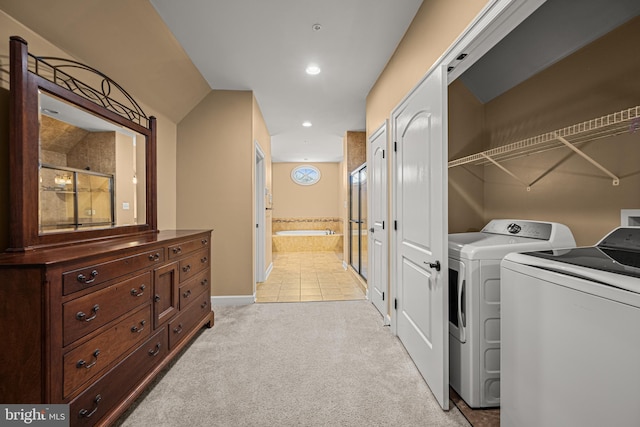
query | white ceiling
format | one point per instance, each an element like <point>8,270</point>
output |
<point>265,46</point>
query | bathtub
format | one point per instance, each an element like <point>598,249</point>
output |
<point>303,233</point>
<point>306,241</point>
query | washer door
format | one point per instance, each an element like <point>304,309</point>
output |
<point>457,304</point>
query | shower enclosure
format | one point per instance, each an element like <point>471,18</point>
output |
<point>358,220</point>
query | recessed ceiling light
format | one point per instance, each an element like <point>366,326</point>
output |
<point>312,69</point>
<point>306,124</point>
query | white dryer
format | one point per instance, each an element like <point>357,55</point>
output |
<point>474,300</point>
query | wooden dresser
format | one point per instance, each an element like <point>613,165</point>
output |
<point>91,324</point>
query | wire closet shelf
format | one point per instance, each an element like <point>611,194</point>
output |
<point>625,121</point>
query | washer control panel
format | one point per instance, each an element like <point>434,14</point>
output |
<point>530,229</point>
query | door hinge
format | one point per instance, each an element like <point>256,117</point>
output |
<point>383,154</point>
<point>395,146</point>
<point>395,303</point>
<point>395,225</point>
<point>383,296</point>
<point>257,225</point>
<point>383,225</point>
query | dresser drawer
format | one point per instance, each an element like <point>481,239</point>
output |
<point>183,248</point>
<point>97,400</point>
<point>192,288</point>
<point>89,359</point>
<point>85,277</point>
<point>193,264</point>
<point>185,322</point>
<point>86,314</point>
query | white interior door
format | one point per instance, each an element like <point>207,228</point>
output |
<point>378,262</point>
<point>421,267</point>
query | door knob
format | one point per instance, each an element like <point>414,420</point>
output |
<point>435,265</point>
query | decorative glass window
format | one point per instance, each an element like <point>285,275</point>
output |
<point>305,175</point>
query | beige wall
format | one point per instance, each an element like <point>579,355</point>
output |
<point>597,80</point>
<point>127,40</point>
<point>215,184</point>
<point>291,200</point>
<point>466,136</point>
<point>434,28</point>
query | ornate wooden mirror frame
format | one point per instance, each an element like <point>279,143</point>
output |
<point>29,75</point>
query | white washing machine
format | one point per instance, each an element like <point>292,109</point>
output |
<point>474,300</point>
<point>571,335</point>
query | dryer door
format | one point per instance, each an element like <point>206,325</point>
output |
<point>457,304</point>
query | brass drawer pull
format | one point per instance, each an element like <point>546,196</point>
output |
<point>177,250</point>
<point>204,260</point>
<point>186,268</point>
<point>187,294</point>
<point>81,363</point>
<point>204,282</point>
<point>137,293</point>
<point>204,304</point>
<point>135,329</point>
<point>154,257</point>
<point>156,298</point>
<point>205,241</point>
<point>154,351</point>
<point>83,317</point>
<point>178,329</point>
<point>84,413</point>
<point>83,279</point>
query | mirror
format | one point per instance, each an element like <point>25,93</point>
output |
<point>89,170</point>
<point>82,155</point>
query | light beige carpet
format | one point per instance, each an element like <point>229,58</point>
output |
<point>293,364</point>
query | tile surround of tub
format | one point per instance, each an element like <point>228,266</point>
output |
<point>287,224</point>
<point>332,242</point>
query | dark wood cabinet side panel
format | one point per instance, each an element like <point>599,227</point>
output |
<point>22,326</point>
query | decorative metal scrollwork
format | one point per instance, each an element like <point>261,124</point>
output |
<point>108,94</point>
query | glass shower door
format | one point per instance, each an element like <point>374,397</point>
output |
<point>358,220</point>
<point>354,221</point>
<point>363,223</point>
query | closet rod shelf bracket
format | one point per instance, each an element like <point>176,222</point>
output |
<point>505,170</point>
<point>616,180</point>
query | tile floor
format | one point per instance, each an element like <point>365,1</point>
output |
<point>476,417</point>
<point>308,276</point>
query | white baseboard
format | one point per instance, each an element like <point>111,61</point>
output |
<point>345,265</point>
<point>233,300</point>
<point>268,272</point>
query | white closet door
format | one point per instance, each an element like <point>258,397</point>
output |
<point>421,267</point>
